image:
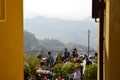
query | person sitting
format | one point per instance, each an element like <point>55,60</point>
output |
<point>67,61</point>
<point>44,66</point>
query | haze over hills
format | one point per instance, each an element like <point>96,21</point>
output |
<point>67,31</point>
<point>32,45</point>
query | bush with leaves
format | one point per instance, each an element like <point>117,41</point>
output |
<point>65,69</point>
<point>31,67</point>
<point>91,72</point>
<point>58,68</point>
<point>59,58</point>
<point>69,68</point>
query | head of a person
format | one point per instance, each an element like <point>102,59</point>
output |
<point>87,59</point>
<point>39,56</point>
<point>45,77</point>
<point>96,54</point>
<point>68,53</point>
<point>67,59</point>
<point>42,63</point>
<point>65,49</point>
<point>78,61</point>
<point>85,56</point>
<point>75,50</point>
<point>59,76</point>
<point>76,68</point>
<point>46,63</point>
<point>49,53</point>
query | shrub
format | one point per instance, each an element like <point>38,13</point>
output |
<point>31,67</point>
<point>58,68</point>
<point>69,68</point>
<point>65,69</point>
<point>91,72</point>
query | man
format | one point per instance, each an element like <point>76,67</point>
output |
<point>88,62</point>
<point>96,57</point>
<point>50,59</point>
<point>65,53</point>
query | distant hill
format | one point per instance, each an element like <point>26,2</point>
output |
<point>30,41</point>
<point>67,31</point>
<point>33,45</point>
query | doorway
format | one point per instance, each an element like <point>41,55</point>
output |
<point>52,26</point>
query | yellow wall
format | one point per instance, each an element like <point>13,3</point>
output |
<point>112,40</point>
<point>11,41</point>
<point>106,42</point>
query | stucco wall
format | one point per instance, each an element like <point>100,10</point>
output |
<point>112,40</point>
<point>11,41</point>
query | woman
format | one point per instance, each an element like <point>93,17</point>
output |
<point>59,77</point>
<point>76,74</point>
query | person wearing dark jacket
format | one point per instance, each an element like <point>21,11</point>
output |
<point>50,59</point>
<point>88,62</point>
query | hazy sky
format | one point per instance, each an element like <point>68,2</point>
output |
<point>65,9</point>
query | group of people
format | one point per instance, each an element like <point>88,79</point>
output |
<point>66,59</point>
<point>68,55</point>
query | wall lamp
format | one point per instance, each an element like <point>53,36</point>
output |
<point>96,7</point>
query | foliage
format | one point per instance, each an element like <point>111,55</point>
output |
<point>58,68</point>
<point>59,58</point>
<point>91,72</point>
<point>65,69</point>
<point>31,66</point>
<point>69,68</point>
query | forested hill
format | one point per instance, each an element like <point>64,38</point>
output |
<point>64,30</point>
<point>32,43</point>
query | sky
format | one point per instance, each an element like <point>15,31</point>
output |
<point>64,9</point>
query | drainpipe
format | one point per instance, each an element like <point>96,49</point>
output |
<point>101,38</point>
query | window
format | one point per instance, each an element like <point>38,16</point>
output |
<point>2,10</point>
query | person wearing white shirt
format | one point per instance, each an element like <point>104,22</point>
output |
<point>76,74</point>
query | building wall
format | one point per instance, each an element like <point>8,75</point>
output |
<point>112,40</point>
<point>106,42</point>
<point>11,40</point>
